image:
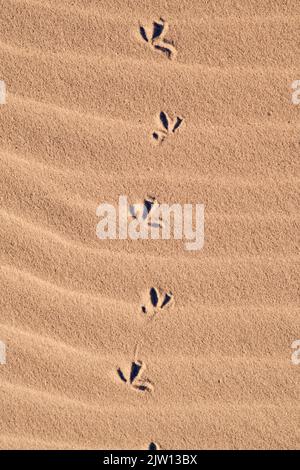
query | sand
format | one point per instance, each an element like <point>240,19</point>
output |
<point>84,91</point>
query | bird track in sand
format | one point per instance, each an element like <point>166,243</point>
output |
<point>154,36</point>
<point>166,126</point>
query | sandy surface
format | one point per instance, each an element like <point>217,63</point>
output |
<point>83,94</point>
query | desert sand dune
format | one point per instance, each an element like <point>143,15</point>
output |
<point>85,91</point>
<point>200,39</point>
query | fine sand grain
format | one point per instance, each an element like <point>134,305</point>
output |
<point>84,91</point>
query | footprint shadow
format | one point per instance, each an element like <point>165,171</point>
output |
<point>154,36</point>
<point>153,446</point>
<point>166,126</point>
<point>156,300</point>
<point>133,376</point>
<point>146,212</point>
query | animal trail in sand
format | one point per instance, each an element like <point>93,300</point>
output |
<point>132,375</point>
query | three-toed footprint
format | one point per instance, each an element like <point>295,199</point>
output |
<point>147,212</point>
<point>156,300</point>
<point>154,36</point>
<point>132,375</point>
<point>167,126</point>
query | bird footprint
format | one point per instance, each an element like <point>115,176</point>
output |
<point>157,301</point>
<point>146,212</point>
<point>154,35</point>
<point>168,126</point>
<point>133,377</point>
